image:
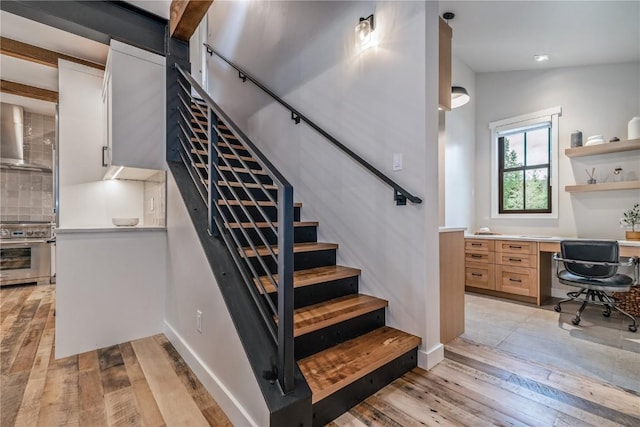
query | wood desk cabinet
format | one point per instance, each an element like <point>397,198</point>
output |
<point>479,266</point>
<point>517,267</point>
<point>502,267</point>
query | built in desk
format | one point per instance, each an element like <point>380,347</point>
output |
<point>518,267</point>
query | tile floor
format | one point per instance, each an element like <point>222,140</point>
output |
<point>600,347</point>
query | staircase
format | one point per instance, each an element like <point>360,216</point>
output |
<point>342,345</point>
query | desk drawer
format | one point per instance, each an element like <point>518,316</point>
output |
<point>516,247</point>
<point>480,257</point>
<point>478,245</point>
<point>517,260</point>
<point>479,276</point>
<point>517,280</point>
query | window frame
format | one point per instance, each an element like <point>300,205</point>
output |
<point>513,125</point>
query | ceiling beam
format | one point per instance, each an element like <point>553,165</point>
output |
<point>185,16</point>
<point>39,55</point>
<point>20,89</point>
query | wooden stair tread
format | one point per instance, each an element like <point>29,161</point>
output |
<point>247,185</point>
<point>236,146</point>
<point>327,313</point>
<point>201,152</point>
<point>262,203</point>
<point>275,224</point>
<point>228,136</point>
<point>297,248</point>
<point>332,369</point>
<point>313,276</point>
<point>233,156</point>
<point>200,141</point>
<point>243,170</point>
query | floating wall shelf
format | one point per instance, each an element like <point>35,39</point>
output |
<point>611,147</point>
<point>607,186</point>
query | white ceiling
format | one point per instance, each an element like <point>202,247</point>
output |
<point>504,35</point>
<point>26,72</point>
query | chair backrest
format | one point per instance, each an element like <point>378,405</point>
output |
<point>590,250</point>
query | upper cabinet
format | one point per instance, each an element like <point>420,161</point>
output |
<point>444,92</point>
<point>134,105</point>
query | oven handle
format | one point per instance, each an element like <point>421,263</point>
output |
<point>7,243</point>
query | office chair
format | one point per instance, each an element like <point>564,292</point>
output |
<point>592,266</point>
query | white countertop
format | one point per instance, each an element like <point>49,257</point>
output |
<point>111,229</point>
<point>534,238</point>
<point>451,229</point>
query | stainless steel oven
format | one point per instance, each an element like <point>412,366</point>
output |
<point>25,254</point>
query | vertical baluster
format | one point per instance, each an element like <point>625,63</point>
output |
<point>212,137</point>
<point>285,288</point>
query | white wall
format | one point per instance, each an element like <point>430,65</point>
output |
<point>378,102</point>
<point>86,200</point>
<point>110,288</point>
<point>460,150</point>
<point>215,355</point>
<point>594,99</point>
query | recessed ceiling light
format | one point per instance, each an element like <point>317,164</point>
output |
<point>541,58</point>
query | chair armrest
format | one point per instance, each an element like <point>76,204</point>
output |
<point>630,262</point>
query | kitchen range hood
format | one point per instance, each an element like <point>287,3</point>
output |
<point>12,142</point>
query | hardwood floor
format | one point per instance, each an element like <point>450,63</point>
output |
<point>146,383</point>
<point>480,386</point>
<point>139,383</point>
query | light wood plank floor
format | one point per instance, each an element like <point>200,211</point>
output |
<point>139,383</point>
<point>146,383</point>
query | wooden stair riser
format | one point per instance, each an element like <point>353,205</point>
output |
<point>313,342</point>
<point>300,235</point>
<point>341,401</point>
<point>257,193</point>
<point>245,177</point>
<point>313,294</point>
<point>255,214</point>
<point>301,261</point>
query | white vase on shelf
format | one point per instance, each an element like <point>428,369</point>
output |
<point>633,130</point>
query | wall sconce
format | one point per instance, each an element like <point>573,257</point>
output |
<point>459,96</point>
<point>364,29</point>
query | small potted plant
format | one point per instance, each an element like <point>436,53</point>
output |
<point>631,218</point>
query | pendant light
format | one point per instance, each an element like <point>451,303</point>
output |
<point>459,96</point>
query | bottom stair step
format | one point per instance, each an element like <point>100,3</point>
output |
<point>337,367</point>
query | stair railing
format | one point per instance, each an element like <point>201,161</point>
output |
<point>202,141</point>
<point>400,195</point>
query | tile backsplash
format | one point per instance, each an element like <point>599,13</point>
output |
<point>28,195</point>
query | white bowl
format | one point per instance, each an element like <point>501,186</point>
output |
<point>125,221</point>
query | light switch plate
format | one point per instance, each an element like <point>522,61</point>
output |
<point>397,161</point>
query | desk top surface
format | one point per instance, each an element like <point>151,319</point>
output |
<point>550,239</point>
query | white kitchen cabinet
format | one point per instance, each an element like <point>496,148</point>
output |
<point>134,108</point>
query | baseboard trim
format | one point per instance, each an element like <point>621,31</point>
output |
<point>429,359</point>
<point>230,405</point>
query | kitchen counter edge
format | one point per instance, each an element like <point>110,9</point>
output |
<point>107,230</point>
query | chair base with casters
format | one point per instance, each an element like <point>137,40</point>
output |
<point>592,267</point>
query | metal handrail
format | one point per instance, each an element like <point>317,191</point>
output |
<point>207,178</point>
<point>400,194</point>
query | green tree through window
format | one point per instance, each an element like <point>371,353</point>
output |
<point>524,171</point>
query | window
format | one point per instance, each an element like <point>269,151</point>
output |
<point>523,171</point>
<point>524,167</point>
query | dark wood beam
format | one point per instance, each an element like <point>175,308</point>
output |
<point>20,89</point>
<point>185,15</point>
<point>39,55</point>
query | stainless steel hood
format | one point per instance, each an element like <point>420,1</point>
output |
<point>12,142</point>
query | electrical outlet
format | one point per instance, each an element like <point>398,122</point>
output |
<point>397,161</point>
<point>199,321</point>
